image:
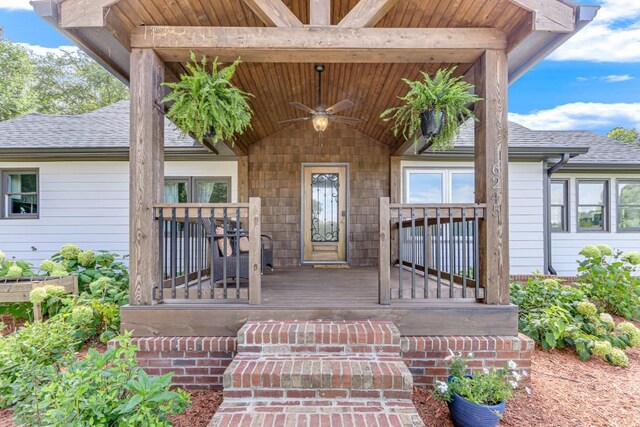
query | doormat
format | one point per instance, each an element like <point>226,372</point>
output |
<point>331,266</point>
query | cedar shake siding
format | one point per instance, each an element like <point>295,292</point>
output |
<point>275,167</point>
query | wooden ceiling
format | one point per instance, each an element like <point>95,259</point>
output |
<point>372,87</point>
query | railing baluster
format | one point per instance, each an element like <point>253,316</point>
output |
<point>225,258</point>
<point>174,251</point>
<point>413,253</point>
<point>425,245</point>
<point>464,245</point>
<point>237,252</point>
<point>213,246</point>
<point>186,253</point>
<point>476,249</point>
<point>160,287</point>
<point>451,255</point>
<point>401,249</point>
<point>198,259</point>
<point>438,256</point>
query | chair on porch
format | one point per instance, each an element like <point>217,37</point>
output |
<point>233,250</point>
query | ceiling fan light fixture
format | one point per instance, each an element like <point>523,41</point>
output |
<point>320,122</point>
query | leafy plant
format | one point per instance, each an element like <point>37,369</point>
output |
<point>558,316</point>
<point>607,277</point>
<point>207,104</point>
<point>487,387</point>
<point>103,389</point>
<point>14,269</point>
<point>443,94</point>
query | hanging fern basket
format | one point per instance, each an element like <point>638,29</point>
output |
<point>431,122</point>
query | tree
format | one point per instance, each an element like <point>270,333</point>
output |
<point>630,136</point>
<point>15,79</point>
<point>73,83</point>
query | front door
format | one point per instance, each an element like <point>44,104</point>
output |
<point>324,214</point>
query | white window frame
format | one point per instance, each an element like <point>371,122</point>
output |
<point>447,181</point>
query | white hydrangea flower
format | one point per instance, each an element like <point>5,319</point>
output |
<point>470,355</point>
<point>485,370</point>
<point>524,374</point>
<point>442,387</point>
<point>512,365</point>
<point>517,376</point>
<point>514,384</point>
<point>2,256</point>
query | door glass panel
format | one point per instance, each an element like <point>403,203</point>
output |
<point>325,209</point>
<point>425,188</point>
<point>462,188</point>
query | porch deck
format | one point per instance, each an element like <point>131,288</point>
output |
<point>308,293</point>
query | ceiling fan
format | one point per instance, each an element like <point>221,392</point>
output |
<point>320,117</point>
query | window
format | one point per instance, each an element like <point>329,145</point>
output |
<point>559,205</point>
<point>197,190</point>
<point>19,194</point>
<point>628,205</point>
<point>439,186</point>
<point>593,201</point>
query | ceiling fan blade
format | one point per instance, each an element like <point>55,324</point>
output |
<point>346,120</point>
<point>345,104</point>
<point>301,106</point>
<point>301,119</point>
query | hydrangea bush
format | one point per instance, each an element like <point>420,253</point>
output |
<point>558,316</point>
<point>608,278</point>
<point>14,269</point>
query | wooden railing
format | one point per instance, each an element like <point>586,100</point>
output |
<point>209,252</point>
<point>435,249</point>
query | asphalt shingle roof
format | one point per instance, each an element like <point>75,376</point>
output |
<point>109,127</point>
<point>102,128</point>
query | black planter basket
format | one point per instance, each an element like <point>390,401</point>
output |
<point>431,123</point>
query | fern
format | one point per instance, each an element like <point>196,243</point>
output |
<point>206,104</point>
<point>442,94</point>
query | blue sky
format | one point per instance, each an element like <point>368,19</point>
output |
<point>592,82</point>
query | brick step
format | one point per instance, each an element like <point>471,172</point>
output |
<point>322,416</point>
<point>340,372</point>
<point>319,336</point>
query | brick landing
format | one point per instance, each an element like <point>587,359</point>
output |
<point>317,373</point>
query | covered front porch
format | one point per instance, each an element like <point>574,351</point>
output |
<point>434,269</point>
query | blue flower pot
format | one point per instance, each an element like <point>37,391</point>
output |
<point>468,414</point>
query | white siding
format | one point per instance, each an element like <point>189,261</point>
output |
<point>525,212</point>
<point>86,203</point>
<point>565,246</point>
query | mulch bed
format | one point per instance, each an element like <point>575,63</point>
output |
<point>204,403</point>
<point>12,324</point>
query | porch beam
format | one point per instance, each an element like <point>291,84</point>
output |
<point>491,173</point>
<point>94,14</point>
<point>367,13</point>
<point>549,15</point>
<point>274,13</point>
<point>320,13</point>
<point>316,44</point>
<point>146,172</point>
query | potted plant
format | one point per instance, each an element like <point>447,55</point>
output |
<point>433,108</point>
<point>478,399</point>
<point>204,104</point>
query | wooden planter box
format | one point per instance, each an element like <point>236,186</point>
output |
<point>17,290</point>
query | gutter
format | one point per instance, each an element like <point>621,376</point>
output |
<point>548,266</point>
<point>101,154</point>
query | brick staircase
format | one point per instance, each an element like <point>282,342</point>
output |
<point>317,373</point>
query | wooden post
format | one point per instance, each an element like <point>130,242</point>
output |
<point>243,179</point>
<point>491,174</point>
<point>255,251</point>
<point>146,168</point>
<point>395,194</point>
<point>384,253</point>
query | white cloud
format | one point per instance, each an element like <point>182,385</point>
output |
<point>15,5</point>
<point>41,50</point>
<point>613,36</point>
<point>617,78</point>
<point>581,116</point>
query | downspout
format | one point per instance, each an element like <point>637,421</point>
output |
<point>547,212</point>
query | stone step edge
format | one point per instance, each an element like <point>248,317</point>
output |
<point>271,419</point>
<point>319,348</point>
<point>319,332</point>
<point>312,395</point>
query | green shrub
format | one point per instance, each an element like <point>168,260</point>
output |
<point>26,352</point>
<point>558,316</point>
<point>103,390</point>
<point>606,277</point>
